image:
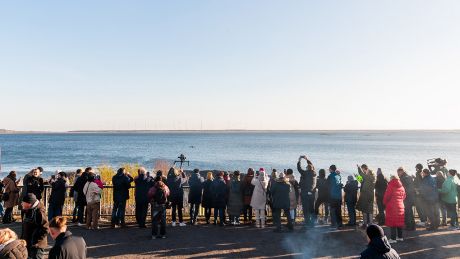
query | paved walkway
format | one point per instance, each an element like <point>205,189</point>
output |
<point>208,241</point>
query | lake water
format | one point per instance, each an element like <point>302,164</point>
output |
<point>230,150</point>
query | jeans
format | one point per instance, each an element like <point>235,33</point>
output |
<point>336,213</point>
<point>318,203</point>
<point>452,212</point>
<point>207,214</point>
<point>158,217</point>
<point>443,211</point>
<point>431,210</point>
<point>8,217</point>
<point>367,218</point>
<point>141,212</point>
<point>194,209</point>
<point>118,212</point>
<point>409,220</point>
<point>221,213</point>
<point>81,213</point>
<point>381,208</point>
<point>351,208</point>
<point>393,232</point>
<point>277,218</point>
<point>178,207</point>
<point>308,204</point>
<point>247,213</point>
<point>54,211</point>
<point>419,207</point>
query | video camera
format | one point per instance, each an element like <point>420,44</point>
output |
<point>437,162</point>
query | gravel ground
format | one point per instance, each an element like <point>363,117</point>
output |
<point>208,241</point>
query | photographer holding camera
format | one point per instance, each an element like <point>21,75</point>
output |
<point>307,190</point>
<point>438,165</point>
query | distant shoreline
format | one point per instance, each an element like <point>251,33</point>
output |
<point>14,132</point>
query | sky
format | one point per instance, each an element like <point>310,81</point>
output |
<point>213,65</point>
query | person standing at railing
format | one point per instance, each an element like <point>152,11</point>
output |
<point>219,191</point>
<point>393,199</point>
<point>294,194</point>
<point>207,197</point>
<point>175,181</point>
<point>259,197</point>
<point>81,199</point>
<point>235,198</point>
<point>74,194</point>
<point>10,196</point>
<point>248,190</point>
<point>93,202</point>
<point>351,197</point>
<point>143,183</point>
<point>307,190</point>
<point>323,196</point>
<point>408,184</point>
<point>380,187</point>
<point>335,196</point>
<point>366,195</point>
<point>57,197</point>
<point>35,184</point>
<point>195,194</point>
<point>158,196</point>
<point>280,190</point>
<point>121,184</point>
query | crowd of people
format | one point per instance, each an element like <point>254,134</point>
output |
<point>228,196</point>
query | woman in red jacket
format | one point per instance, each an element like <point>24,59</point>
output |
<point>394,208</point>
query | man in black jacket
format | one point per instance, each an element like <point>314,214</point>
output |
<point>121,184</point>
<point>280,190</point>
<point>307,190</point>
<point>34,226</point>
<point>57,197</point>
<point>66,246</point>
<point>378,247</point>
<point>143,185</point>
<point>81,198</point>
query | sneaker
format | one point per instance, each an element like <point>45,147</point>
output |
<point>420,224</point>
<point>163,236</point>
<point>173,224</point>
<point>182,224</point>
<point>399,239</point>
<point>392,241</point>
<point>453,228</point>
<point>154,237</point>
<point>81,224</point>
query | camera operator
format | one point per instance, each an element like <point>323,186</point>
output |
<point>438,164</point>
<point>307,190</point>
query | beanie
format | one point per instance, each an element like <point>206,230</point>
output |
<point>374,231</point>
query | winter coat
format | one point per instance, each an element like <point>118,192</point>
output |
<point>351,191</point>
<point>280,190</point>
<point>207,194</point>
<point>35,185</point>
<point>335,186</point>
<point>78,187</point>
<point>323,189</point>
<point>14,250</point>
<point>428,190</point>
<point>380,186</point>
<point>307,179</point>
<point>13,192</point>
<point>92,192</point>
<point>121,185</point>
<point>235,197</point>
<point>151,195</point>
<point>143,183</point>
<point>408,184</point>
<point>294,192</point>
<point>449,190</point>
<point>58,192</point>
<point>68,246</point>
<point>366,195</point>
<point>379,248</point>
<point>196,188</point>
<point>35,226</point>
<point>219,192</point>
<point>175,184</point>
<point>248,189</point>
<point>259,196</point>
<point>394,204</point>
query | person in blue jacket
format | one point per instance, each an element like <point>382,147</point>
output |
<point>429,193</point>
<point>335,192</point>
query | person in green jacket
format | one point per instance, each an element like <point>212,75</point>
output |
<point>449,197</point>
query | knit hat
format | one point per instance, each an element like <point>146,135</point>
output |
<point>261,169</point>
<point>350,178</point>
<point>29,198</point>
<point>374,231</point>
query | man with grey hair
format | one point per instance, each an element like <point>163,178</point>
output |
<point>143,184</point>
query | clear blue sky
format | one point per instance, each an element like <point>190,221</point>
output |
<point>229,65</point>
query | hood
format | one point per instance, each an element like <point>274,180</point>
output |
<point>171,173</point>
<point>380,244</point>
<point>396,183</point>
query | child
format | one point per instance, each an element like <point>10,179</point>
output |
<point>351,193</point>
